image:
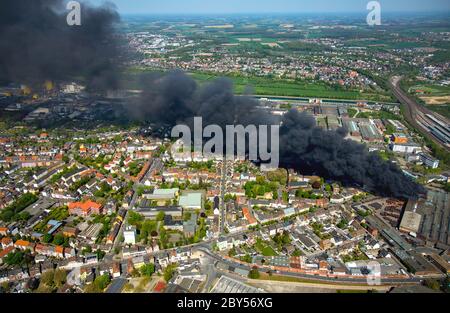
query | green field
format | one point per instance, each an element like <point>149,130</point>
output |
<point>266,86</point>
<point>431,90</point>
<point>264,248</point>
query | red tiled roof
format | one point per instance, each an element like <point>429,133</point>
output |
<point>39,247</point>
<point>160,286</point>
<point>6,240</point>
<point>85,206</point>
<point>59,249</point>
<point>6,252</point>
<point>22,243</point>
<point>248,216</point>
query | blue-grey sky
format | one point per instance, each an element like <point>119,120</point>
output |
<point>271,6</point>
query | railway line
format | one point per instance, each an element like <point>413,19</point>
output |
<point>434,127</point>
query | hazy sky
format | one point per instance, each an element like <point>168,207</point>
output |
<point>272,6</point>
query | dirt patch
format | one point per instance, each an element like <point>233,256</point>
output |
<point>437,100</point>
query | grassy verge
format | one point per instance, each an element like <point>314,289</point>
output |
<point>282,278</point>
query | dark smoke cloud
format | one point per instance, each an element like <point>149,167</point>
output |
<point>36,44</point>
<point>309,149</point>
<point>176,98</point>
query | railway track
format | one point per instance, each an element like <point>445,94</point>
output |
<point>412,110</point>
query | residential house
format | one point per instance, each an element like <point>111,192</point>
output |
<point>84,208</point>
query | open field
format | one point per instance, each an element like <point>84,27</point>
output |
<point>141,285</point>
<point>430,90</point>
<point>435,97</point>
<point>280,87</point>
<point>436,100</point>
<point>278,283</point>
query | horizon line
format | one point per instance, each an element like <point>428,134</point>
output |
<point>441,12</point>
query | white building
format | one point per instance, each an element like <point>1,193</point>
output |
<point>130,235</point>
<point>410,147</point>
<point>429,161</point>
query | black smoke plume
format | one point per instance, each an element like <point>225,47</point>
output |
<point>37,44</point>
<point>308,148</point>
<point>176,98</point>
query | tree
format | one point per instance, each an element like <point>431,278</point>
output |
<point>275,195</point>
<point>447,187</point>
<point>140,190</point>
<point>92,288</point>
<point>135,273</point>
<point>100,254</point>
<point>148,269</point>
<point>342,223</point>
<point>47,238</point>
<point>447,284</point>
<point>285,239</point>
<point>433,284</point>
<point>285,196</point>
<point>58,239</point>
<point>12,212</point>
<point>134,218</point>
<point>254,273</point>
<point>43,288</point>
<point>160,216</point>
<point>59,277</point>
<point>247,258</point>
<point>15,258</point>
<point>87,249</point>
<point>169,271</point>
<point>4,287</point>
<point>101,282</point>
<point>47,278</point>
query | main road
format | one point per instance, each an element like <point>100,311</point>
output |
<point>316,278</point>
<point>222,205</point>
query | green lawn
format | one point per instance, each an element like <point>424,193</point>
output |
<point>431,90</point>
<point>352,112</point>
<point>265,249</point>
